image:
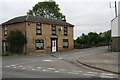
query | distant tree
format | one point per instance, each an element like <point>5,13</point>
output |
<point>16,41</point>
<point>93,39</point>
<point>47,9</point>
<point>108,36</point>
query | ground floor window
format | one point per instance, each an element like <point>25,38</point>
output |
<point>39,44</point>
<point>65,43</point>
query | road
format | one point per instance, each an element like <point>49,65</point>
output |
<point>57,65</point>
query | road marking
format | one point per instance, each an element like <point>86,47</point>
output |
<point>89,74</point>
<point>73,73</point>
<point>47,60</point>
<point>45,70</point>
<point>12,65</point>
<point>51,68</point>
<point>7,66</point>
<point>39,67</point>
<point>106,75</point>
<point>76,71</point>
<point>20,66</point>
<point>92,72</point>
<point>33,69</point>
<point>60,58</point>
<point>57,71</point>
<point>62,69</point>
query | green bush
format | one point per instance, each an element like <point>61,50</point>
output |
<point>4,54</point>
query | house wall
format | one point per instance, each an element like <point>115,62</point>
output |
<point>116,44</point>
<point>0,38</point>
<point>13,27</point>
<point>116,34</point>
<point>46,36</point>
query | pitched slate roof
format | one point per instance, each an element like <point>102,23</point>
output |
<point>37,19</point>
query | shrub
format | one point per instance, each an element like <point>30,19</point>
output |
<point>4,54</point>
<point>16,41</point>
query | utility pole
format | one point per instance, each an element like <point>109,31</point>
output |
<point>115,9</point>
<point>115,6</point>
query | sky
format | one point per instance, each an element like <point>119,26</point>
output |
<point>86,15</point>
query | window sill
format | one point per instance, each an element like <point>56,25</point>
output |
<point>65,47</point>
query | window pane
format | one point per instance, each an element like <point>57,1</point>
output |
<point>5,28</point>
<point>39,44</point>
<point>65,33</point>
<point>65,29</point>
<point>38,27</point>
<point>39,31</point>
<point>53,28</point>
<point>5,32</point>
<point>53,32</point>
<point>65,44</point>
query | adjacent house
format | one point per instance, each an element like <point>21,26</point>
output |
<point>43,34</point>
<point>115,23</point>
<point>0,38</point>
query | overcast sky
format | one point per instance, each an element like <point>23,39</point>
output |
<point>86,15</point>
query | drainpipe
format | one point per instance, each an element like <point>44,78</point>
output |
<point>25,32</point>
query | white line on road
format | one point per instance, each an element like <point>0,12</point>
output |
<point>12,65</point>
<point>92,72</point>
<point>39,67</point>
<point>73,73</point>
<point>20,66</point>
<point>7,66</point>
<point>33,69</point>
<point>47,60</point>
<point>106,75</point>
<point>57,71</point>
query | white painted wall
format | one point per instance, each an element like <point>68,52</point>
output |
<point>0,38</point>
<point>114,25</point>
<point>118,7</point>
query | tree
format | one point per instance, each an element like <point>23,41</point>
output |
<point>47,9</point>
<point>108,36</point>
<point>16,41</point>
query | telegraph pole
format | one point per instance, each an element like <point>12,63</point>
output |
<point>115,6</point>
<point>115,9</point>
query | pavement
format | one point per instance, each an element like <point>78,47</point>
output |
<point>107,61</point>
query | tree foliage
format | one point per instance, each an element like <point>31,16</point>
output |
<point>47,9</point>
<point>93,39</point>
<point>16,41</point>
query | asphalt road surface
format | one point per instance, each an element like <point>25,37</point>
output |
<point>58,65</point>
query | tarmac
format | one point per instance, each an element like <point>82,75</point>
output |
<point>108,61</point>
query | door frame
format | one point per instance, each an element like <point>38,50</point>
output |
<point>56,44</point>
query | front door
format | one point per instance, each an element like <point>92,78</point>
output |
<point>4,46</point>
<point>54,46</point>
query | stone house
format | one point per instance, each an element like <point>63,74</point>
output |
<point>44,35</point>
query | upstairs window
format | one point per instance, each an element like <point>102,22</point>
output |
<point>5,30</point>
<point>65,31</point>
<point>65,43</point>
<point>53,30</point>
<point>39,44</point>
<point>38,29</point>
